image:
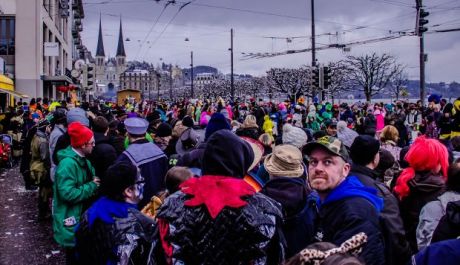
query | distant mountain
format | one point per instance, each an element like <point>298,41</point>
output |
<point>447,90</point>
<point>199,70</point>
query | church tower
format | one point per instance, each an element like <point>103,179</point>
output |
<point>121,54</point>
<point>100,55</point>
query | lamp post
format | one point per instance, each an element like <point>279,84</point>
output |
<point>191,74</point>
<point>158,86</point>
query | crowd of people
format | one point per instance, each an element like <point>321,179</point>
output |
<point>221,182</point>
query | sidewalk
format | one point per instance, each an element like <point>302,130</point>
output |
<point>24,240</point>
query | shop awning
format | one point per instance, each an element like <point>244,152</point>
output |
<point>13,93</point>
<point>6,83</point>
<point>58,80</point>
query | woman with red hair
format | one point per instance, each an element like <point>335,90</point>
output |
<point>423,181</point>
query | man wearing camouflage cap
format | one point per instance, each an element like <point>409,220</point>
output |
<point>346,207</point>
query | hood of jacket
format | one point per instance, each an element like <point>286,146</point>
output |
<point>226,155</point>
<point>426,182</point>
<point>106,209</point>
<point>359,170</point>
<point>453,212</point>
<point>69,152</point>
<point>352,187</point>
<point>100,138</point>
<point>448,196</point>
<point>290,192</point>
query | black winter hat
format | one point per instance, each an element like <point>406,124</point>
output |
<point>187,121</point>
<point>220,160</point>
<point>118,177</point>
<point>163,130</point>
<point>364,149</point>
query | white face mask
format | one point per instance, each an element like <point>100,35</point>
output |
<point>139,188</point>
<point>139,191</point>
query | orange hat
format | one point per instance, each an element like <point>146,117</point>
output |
<point>79,134</point>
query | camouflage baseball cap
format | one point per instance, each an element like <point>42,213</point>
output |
<point>331,144</point>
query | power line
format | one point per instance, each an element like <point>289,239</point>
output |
<point>151,29</point>
<point>330,46</point>
<point>395,3</point>
<point>167,25</point>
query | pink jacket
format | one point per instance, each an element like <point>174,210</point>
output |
<point>204,118</point>
<point>380,118</point>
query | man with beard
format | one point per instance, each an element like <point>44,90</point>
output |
<point>346,207</point>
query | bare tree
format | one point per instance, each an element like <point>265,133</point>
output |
<point>398,82</point>
<point>339,79</point>
<point>293,82</point>
<point>371,73</point>
<point>216,88</point>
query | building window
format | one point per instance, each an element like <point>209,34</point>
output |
<point>7,36</point>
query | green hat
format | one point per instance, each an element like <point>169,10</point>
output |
<point>331,144</point>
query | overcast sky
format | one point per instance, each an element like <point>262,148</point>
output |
<point>264,26</point>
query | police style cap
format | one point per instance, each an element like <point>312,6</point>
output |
<point>137,126</point>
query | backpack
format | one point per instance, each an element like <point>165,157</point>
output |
<point>397,250</point>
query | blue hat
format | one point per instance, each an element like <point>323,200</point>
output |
<point>217,122</point>
<point>434,98</point>
<point>77,114</point>
<point>137,126</point>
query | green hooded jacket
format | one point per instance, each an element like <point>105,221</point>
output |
<point>73,188</point>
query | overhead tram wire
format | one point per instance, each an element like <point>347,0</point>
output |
<point>330,46</point>
<point>354,27</point>
<point>151,29</point>
<point>167,25</point>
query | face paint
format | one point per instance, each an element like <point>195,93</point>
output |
<point>139,187</point>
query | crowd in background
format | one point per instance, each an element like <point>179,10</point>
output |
<point>254,182</point>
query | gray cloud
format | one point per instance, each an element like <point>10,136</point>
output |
<point>207,25</point>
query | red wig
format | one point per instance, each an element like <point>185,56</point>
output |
<point>424,155</point>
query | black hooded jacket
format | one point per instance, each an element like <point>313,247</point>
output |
<point>397,248</point>
<point>449,225</point>
<point>222,157</point>
<point>250,234</point>
<point>103,155</point>
<point>299,211</point>
<point>424,188</point>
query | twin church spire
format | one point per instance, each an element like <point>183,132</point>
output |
<point>100,43</point>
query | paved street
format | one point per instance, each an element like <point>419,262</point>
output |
<point>23,240</point>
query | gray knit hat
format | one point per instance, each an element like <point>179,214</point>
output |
<point>77,114</point>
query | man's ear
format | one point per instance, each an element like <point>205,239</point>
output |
<point>346,169</point>
<point>129,193</point>
<point>376,159</point>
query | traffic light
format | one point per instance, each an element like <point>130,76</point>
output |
<point>326,77</point>
<point>84,77</point>
<point>421,21</point>
<point>90,76</point>
<point>315,77</point>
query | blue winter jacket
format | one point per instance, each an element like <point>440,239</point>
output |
<point>440,253</point>
<point>349,209</point>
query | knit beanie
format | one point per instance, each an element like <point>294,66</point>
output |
<point>364,149</point>
<point>294,136</point>
<point>217,122</point>
<point>79,115</point>
<point>118,177</point>
<point>79,134</point>
<point>187,121</point>
<point>164,130</point>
